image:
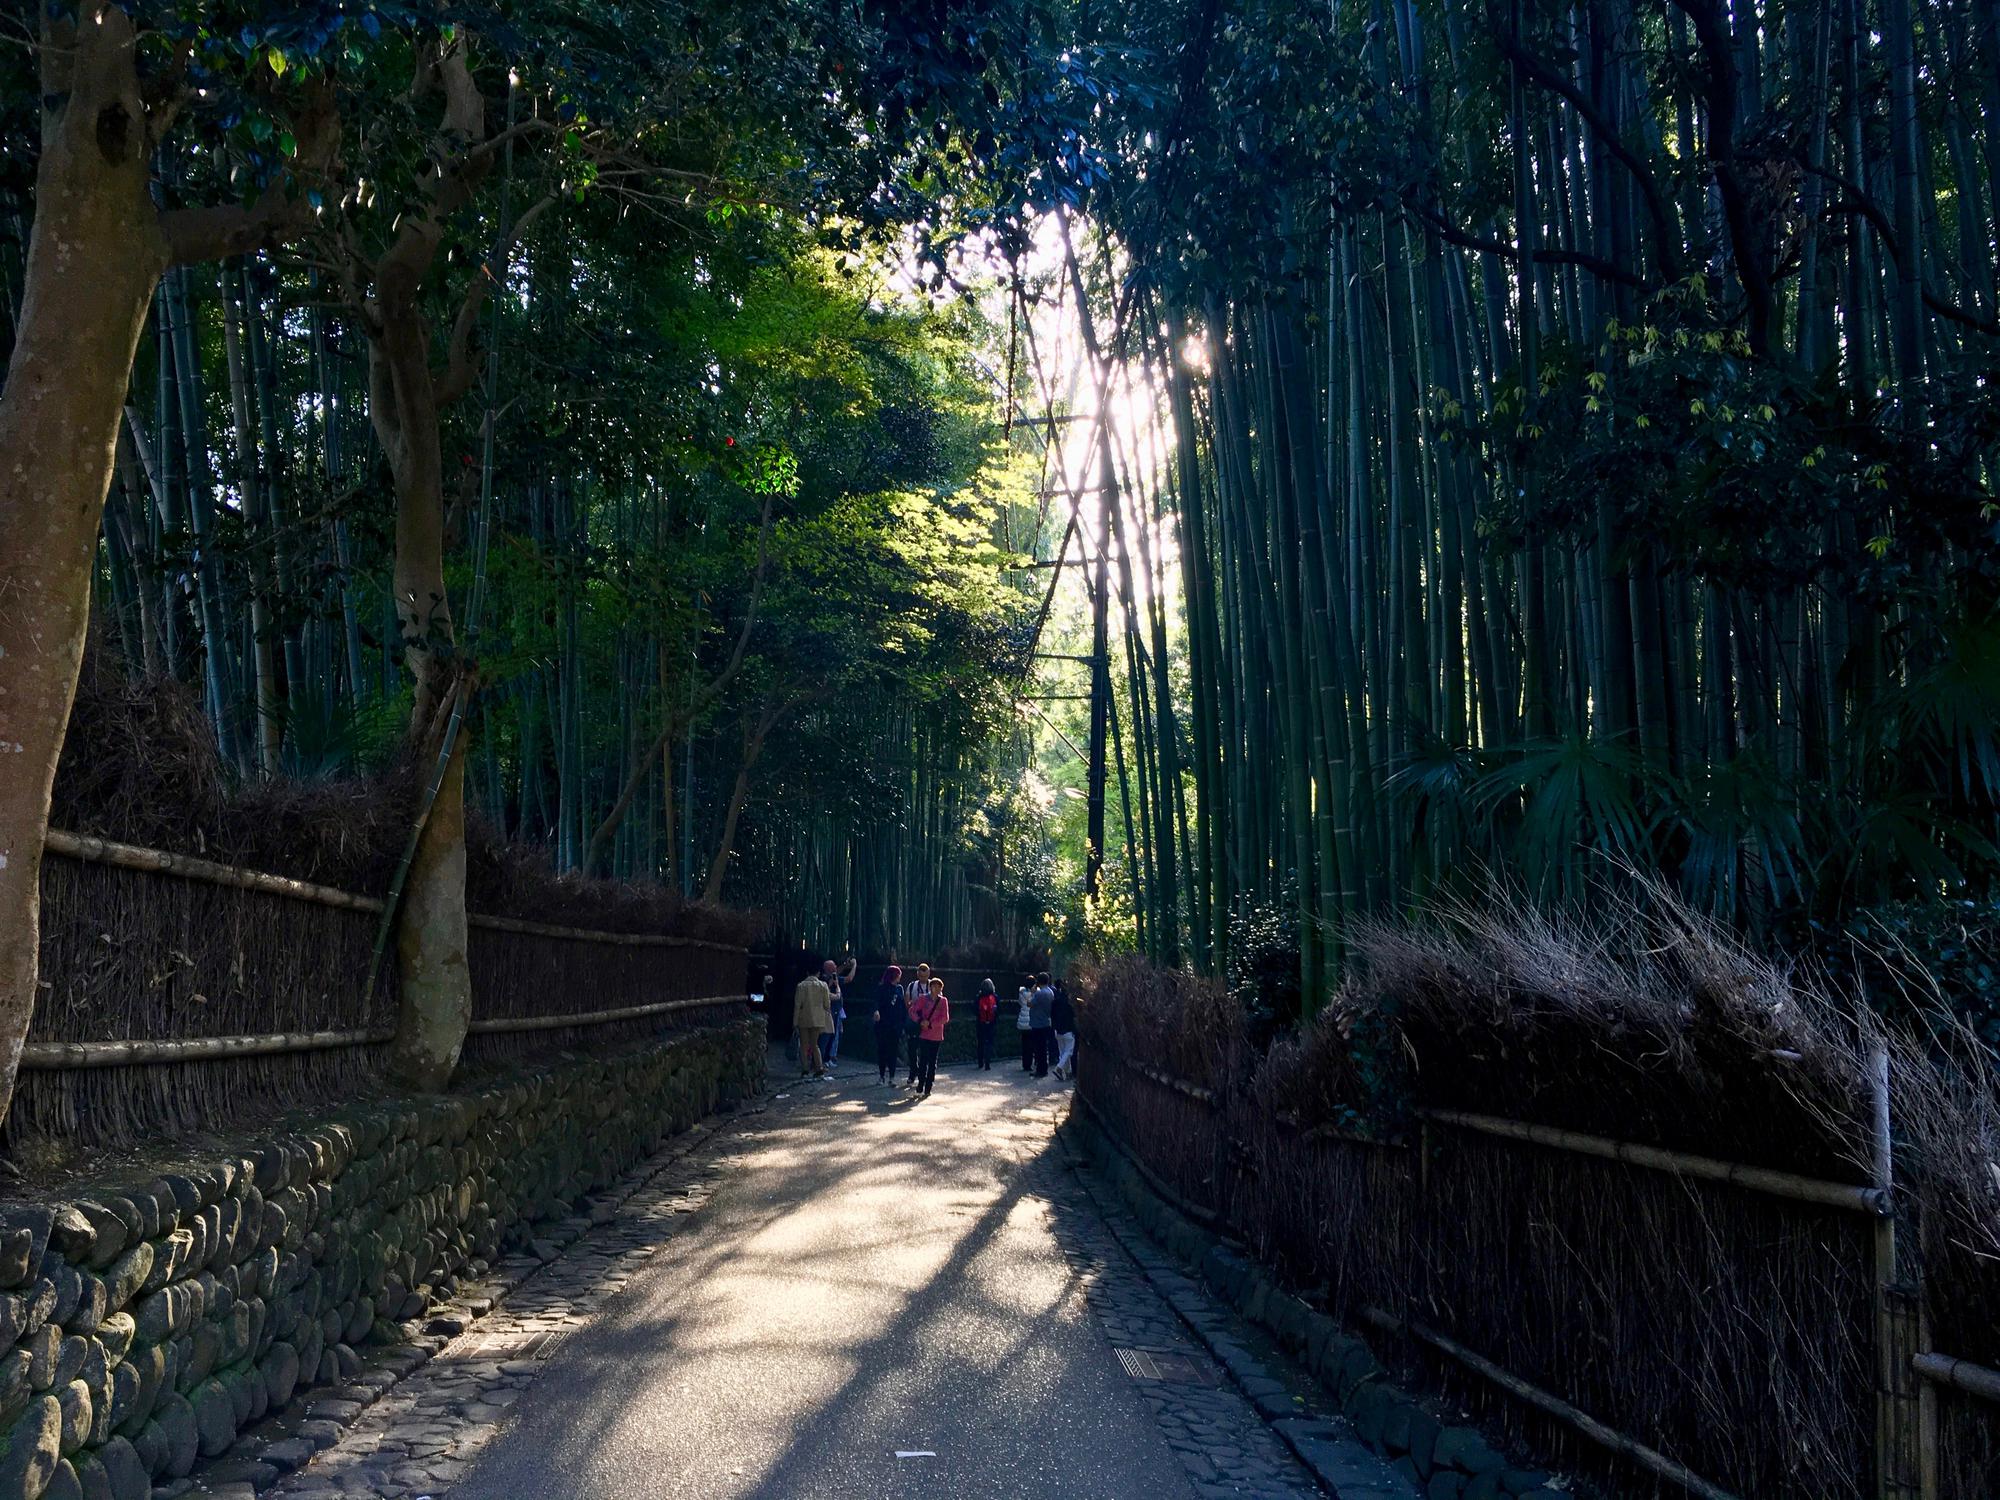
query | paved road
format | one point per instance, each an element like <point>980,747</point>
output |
<point>846,1293</point>
<point>873,1275</point>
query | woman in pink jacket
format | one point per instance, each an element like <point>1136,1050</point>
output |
<point>929,1014</point>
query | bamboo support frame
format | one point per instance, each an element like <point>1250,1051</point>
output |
<point>1647,1458</point>
<point>51,1056</point>
<point>593,935</point>
<point>48,1056</point>
<point>186,867</point>
<point>1907,1439</point>
<point>1166,1080</point>
<point>598,1017</point>
<point>1905,1409</point>
<point>1959,1374</point>
<point>1865,1200</point>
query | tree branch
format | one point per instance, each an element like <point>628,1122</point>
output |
<point>218,231</point>
<point>1711,31</point>
<point>1595,264</point>
<point>1855,201</point>
<point>1549,78</point>
<point>461,369</point>
<point>716,684</point>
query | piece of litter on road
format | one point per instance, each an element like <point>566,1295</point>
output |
<point>915,1453</point>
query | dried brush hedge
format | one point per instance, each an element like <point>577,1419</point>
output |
<point>135,955</point>
<point>1727,1328</point>
<point>139,765</point>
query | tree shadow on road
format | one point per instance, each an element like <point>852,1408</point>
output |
<point>947,1319</point>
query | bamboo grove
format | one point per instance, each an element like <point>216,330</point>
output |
<point>1582,437</point>
<point>518,398</point>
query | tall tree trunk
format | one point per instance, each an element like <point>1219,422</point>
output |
<point>94,256</point>
<point>434,980</point>
<point>725,847</point>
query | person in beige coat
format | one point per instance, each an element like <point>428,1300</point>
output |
<point>812,1015</point>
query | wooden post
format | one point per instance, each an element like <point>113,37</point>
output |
<point>1905,1462</point>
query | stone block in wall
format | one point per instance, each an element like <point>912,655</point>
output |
<point>144,1324</point>
<point>30,1447</point>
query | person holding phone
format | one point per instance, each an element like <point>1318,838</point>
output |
<point>931,1015</point>
<point>837,984</point>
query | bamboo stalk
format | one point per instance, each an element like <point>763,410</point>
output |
<point>1865,1200</point>
<point>1959,1374</point>
<point>1647,1458</point>
<point>599,1017</point>
<point>592,935</point>
<point>159,862</point>
<point>52,1056</point>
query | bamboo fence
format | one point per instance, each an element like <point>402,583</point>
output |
<point>180,993</point>
<point>1795,1285</point>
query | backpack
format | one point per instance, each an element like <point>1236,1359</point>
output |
<point>989,1006</point>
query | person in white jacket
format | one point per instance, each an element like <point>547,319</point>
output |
<point>1023,1023</point>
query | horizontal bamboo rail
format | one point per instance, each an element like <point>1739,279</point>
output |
<point>48,1056</point>
<point>1166,1080</point>
<point>599,1017</point>
<point>187,867</point>
<point>1866,1200</point>
<point>1609,1437</point>
<point>1206,1217</point>
<point>595,935</point>
<point>1960,1374</point>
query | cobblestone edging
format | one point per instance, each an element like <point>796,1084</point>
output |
<point>1208,1419</point>
<point>145,1327</point>
<point>419,1437</point>
<point>1440,1461</point>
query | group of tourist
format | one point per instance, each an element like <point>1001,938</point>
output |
<point>909,1022</point>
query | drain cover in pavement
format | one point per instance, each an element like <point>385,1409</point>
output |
<point>530,1344</point>
<point>1146,1364</point>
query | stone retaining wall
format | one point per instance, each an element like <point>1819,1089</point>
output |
<point>145,1324</point>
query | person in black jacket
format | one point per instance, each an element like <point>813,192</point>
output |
<point>892,1018</point>
<point>1062,1021</point>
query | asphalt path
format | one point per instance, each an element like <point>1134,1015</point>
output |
<point>872,1305</point>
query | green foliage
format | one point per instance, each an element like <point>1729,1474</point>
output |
<point>1263,972</point>
<point>1918,956</point>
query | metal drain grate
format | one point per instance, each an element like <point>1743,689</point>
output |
<point>531,1345</point>
<point>1179,1369</point>
<point>1138,1364</point>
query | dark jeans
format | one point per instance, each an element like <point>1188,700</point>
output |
<point>986,1031</point>
<point>831,1046</point>
<point>1042,1039</point>
<point>885,1051</point>
<point>914,1039</point>
<point>926,1064</point>
<point>1027,1050</point>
